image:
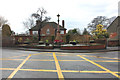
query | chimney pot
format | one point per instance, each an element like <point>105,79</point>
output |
<point>63,23</point>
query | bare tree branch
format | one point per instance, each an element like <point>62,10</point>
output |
<point>2,21</point>
<point>29,23</point>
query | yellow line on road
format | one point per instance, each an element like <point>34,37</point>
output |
<point>71,60</point>
<point>65,55</point>
<point>15,71</point>
<point>13,57</point>
<point>17,56</point>
<point>39,70</point>
<point>43,70</point>
<point>60,60</point>
<point>7,68</point>
<point>59,72</point>
<point>44,53</point>
<point>100,57</point>
<point>10,59</point>
<point>39,60</point>
<point>85,71</point>
<point>105,61</point>
<point>100,66</point>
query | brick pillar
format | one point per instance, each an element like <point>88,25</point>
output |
<point>64,31</point>
<point>30,32</point>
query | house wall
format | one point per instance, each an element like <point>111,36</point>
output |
<point>114,32</point>
<point>113,28</point>
<point>44,29</point>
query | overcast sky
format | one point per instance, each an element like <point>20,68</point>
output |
<point>76,13</point>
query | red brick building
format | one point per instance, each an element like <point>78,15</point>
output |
<point>114,31</point>
<point>48,31</point>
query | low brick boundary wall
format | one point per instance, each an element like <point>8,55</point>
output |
<point>113,43</point>
<point>37,47</point>
<point>83,47</point>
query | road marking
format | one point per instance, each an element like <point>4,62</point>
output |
<point>105,61</point>
<point>7,68</point>
<point>39,60</point>
<point>85,71</point>
<point>71,60</point>
<point>65,55</point>
<point>100,66</point>
<point>17,56</point>
<point>60,60</point>
<point>59,72</point>
<point>94,60</point>
<point>13,57</point>
<point>15,71</point>
<point>41,53</point>
<point>43,70</point>
<point>10,59</point>
<point>100,57</point>
<point>39,70</point>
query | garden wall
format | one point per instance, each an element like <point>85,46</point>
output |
<point>83,47</point>
<point>113,43</point>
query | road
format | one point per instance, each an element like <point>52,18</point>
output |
<point>59,66</point>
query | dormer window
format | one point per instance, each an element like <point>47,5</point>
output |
<point>48,31</point>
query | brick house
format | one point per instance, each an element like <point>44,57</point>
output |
<point>48,31</point>
<point>114,31</point>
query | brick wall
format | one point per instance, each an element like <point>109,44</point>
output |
<point>113,43</point>
<point>44,29</point>
<point>23,38</point>
<point>80,38</point>
<point>7,42</point>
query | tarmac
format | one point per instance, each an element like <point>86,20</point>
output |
<point>108,49</point>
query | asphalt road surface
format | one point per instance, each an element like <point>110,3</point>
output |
<point>26,65</point>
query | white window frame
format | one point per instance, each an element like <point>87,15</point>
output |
<point>62,32</point>
<point>35,32</point>
<point>48,31</point>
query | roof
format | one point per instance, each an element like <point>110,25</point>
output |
<point>118,17</point>
<point>53,24</point>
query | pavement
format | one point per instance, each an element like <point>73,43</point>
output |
<point>69,51</point>
<point>34,65</point>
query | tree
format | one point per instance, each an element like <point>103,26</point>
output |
<point>85,32</point>
<point>100,32</point>
<point>40,18</point>
<point>6,30</point>
<point>74,31</point>
<point>29,23</point>
<point>2,21</point>
<point>103,20</point>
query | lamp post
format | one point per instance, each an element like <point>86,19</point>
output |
<point>58,36</point>
<point>58,23</point>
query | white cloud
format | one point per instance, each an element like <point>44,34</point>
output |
<point>76,13</point>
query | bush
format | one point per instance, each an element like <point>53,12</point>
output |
<point>35,39</point>
<point>74,42</point>
<point>27,41</point>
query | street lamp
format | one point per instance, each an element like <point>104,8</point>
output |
<point>58,36</point>
<point>58,23</point>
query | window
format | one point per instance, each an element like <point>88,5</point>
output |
<point>62,32</point>
<point>48,31</point>
<point>35,32</point>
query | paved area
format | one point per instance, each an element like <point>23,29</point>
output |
<point>59,66</point>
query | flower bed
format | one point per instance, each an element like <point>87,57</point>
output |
<point>84,47</point>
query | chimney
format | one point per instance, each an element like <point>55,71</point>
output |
<point>37,22</point>
<point>63,23</point>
